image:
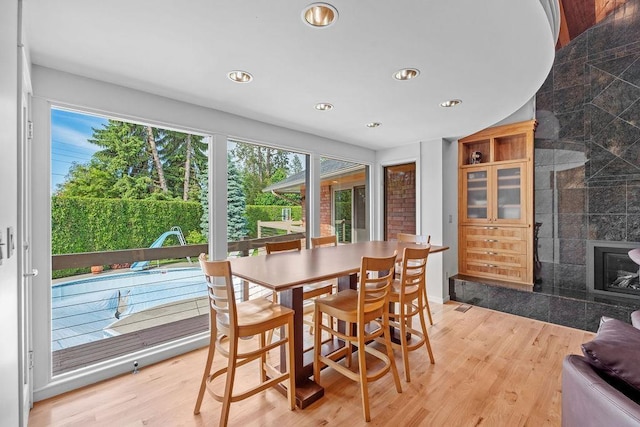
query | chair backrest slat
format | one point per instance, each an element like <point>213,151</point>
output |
<point>414,266</point>
<point>222,302</point>
<point>413,238</point>
<point>376,276</point>
<point>287,245</point>
<point>317,242</point>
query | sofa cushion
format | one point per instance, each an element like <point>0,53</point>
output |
<point>635,319</point>
<point>615,351</point>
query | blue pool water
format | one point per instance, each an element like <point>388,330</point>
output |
<point>80,309</point>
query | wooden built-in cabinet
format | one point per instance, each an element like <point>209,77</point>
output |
<point>495,203</point>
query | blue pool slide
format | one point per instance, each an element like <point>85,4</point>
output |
<point>175,231</point>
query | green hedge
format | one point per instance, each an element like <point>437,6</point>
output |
<point>255,213</point>
<point>80,224</point>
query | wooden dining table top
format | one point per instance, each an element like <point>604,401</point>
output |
<point>287,270</point>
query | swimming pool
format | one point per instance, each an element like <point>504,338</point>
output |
<point>81,309</point>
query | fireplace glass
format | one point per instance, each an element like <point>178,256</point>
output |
<point>614,271</point>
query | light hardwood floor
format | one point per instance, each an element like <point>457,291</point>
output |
<point>492,369</point>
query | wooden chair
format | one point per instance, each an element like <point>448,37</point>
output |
<point>367,305</point>
<point>230,322</point>
<point>408,294</point>
<point>284,246</point>
<point>318,242</point>
<point>422,240</point>
<point>309,291</point>
<point>414,238</point>
<point>321,242</point>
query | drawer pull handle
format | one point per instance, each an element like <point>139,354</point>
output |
<point>490,240</point>
<point>491,253</point>
<point>491,228</point>
<point>490,265</point>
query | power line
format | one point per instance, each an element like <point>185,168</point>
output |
<point>66,156</point>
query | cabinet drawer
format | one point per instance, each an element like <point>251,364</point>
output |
<point>495,271</point>
<point>506,259</point>
<point>516,233</point>
<point>499,245</point>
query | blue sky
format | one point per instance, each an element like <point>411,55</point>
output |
<point>70,132</point>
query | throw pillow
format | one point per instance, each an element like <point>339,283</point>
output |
<point>615,352</point>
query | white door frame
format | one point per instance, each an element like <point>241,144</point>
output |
<point>22,243</point>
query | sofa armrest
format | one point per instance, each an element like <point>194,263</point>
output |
<point>588,400</point>
<point>635,319</point>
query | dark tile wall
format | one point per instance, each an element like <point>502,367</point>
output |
<point>587,155</point>
<point>587,176</point>
<point>575,311</point>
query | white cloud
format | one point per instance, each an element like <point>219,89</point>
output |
<point>61,133</point>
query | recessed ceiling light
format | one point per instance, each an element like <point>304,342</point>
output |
<point>406,74</point>
<point>450,103</point>
<point>320,15</point>
<point>373,124</point>
<point>240,76</point>
<point>324,106</point>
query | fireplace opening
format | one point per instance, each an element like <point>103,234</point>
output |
<point>613,271</point>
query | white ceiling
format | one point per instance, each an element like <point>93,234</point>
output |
<point>491,54</point>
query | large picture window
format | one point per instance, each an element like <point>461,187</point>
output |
<point>119,190</point>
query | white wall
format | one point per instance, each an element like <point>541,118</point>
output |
<point>9,365</point>
<point>68,90</point>
<point>111,100</point>
<point>431,187</point>
<point>450,209</point>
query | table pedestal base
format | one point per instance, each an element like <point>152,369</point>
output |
<point>307,392</point>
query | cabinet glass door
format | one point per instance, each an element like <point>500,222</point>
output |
<point>509,192</point>
<point>476,194</point>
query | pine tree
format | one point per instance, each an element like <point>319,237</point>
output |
<point>183,155</point>
<point>139,162</point>
<point>296,165</point>
<point>236,205</point>
<point>203,179</point>
<point>258,165</point>
<point>122,169</point>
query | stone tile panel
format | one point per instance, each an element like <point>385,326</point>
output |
<point>572,226</point>
<point>608,227</point>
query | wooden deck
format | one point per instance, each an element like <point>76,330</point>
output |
<point>492,369</point>
<point>79,356</point>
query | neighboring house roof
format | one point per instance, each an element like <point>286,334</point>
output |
<point>329,168</point>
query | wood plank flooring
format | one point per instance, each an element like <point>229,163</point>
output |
<point>492,369</point>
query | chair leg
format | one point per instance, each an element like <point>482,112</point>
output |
<point>403,341</point>
<point>362,367</point>
<point>274,299</point>
<point>426,304</point>
<point>205,375</point>
<point>313,320</point>
<point>392,361</point>
<point>263,358</point>
<point>317,346</point>
<point>228,389</point>
<point>291,390</point>
<point>347,361</point>
<point>426,334</point>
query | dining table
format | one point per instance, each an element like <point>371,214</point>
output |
<point>287,272</point>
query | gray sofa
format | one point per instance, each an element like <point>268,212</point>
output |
<point>588,396</point>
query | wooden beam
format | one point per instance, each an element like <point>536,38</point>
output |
<point>563,38</point>
<point>87,259</point>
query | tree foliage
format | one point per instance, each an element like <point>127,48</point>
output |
<point>258,165</point>
<point>236,206</point>
<point>83,224</point>
<point>262,166</point>
<point>139,162</point>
